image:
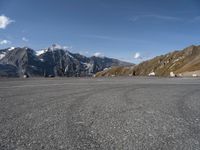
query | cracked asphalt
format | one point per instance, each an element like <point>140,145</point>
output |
<point>120,113</point>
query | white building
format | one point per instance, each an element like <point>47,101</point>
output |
<point>194,75</point>
<point>152,74</point>
<point>172,74</point>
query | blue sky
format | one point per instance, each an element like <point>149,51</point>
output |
<point>132,30</point>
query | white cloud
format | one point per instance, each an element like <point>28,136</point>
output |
<point>153,16</point>
<point>25,39</point>
<point>98,54</point>
<point>137,55</point>
<point>86,52</point>
<point>67,48</point>
<point>56,46</point>
<point>102,37</point>
<point>195,19</point>
<point>4,21</point>
<point>3,42</point>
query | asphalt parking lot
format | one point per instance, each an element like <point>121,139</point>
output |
<point>100,113</point>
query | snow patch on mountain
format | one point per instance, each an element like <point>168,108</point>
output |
<point>2,55</point>
<point>88,65</point>
<point>4,52</point>
<point>68,54</point>
<point>11,48</point>
<point>40,52</point>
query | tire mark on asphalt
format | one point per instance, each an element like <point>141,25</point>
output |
<point>189,115</point>
<point>85,139</point>
<point>80,134</point>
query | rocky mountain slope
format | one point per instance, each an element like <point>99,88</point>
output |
<point>53,61</point>
<point>178,62</point>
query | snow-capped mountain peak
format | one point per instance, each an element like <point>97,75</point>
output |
<point>2,55</point>
<point>40,52</point>
<point>11,48</point>
<point>53,61</point>
<point>5,51</point>
<point>55,47</point>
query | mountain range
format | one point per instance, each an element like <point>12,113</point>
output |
<point>58,61</point>
<point>184,62</point>
<point>53,61</point>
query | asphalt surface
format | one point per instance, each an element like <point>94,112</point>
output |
<point>100,113</point>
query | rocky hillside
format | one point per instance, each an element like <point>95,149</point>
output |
<point>53,61</point>
<point>178,62</point>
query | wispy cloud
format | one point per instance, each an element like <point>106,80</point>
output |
<point>98,54</point>
<point>84,52</point>
<point>154,16</point>
<point>195,19</point>
<point>103,37</point>
<point>69,48</point>
<point>116,38</point>
<point>4,42</point>
<point>5,21</point>
<point>25,39</point>
<point>137,55</point>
